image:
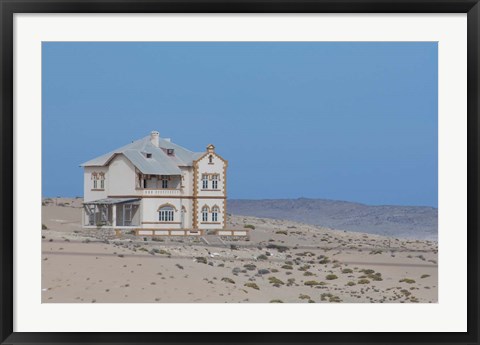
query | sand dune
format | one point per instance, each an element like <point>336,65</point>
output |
<point>281,262</point>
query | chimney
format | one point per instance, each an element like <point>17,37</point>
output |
<point>154,138</point>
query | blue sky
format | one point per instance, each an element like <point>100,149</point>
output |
<point>345,121</point>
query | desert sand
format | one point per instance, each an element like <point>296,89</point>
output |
<point>282,261</point>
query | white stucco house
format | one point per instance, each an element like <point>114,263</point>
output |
<point>156,187</point>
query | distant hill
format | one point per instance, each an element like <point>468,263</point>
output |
<point>415,222</point>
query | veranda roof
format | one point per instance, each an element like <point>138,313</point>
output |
<point>111,201</point>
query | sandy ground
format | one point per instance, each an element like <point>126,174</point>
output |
<point>281,262</point>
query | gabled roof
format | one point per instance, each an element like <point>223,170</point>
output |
<point>160,163</point>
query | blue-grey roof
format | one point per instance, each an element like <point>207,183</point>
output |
<point>159,164</point>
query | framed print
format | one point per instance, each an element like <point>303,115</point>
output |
<point>239,172</point>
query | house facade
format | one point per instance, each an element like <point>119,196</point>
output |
<point>156,187</point>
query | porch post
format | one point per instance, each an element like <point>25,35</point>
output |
<point>114,215</point>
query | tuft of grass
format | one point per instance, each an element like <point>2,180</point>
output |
<point>281,249</point>
<point>281,232</point>
<point>308,274</point>
<point>252,285</point>
<point>313,283</point>
<point>302,296</point>
<point>425,276</point>
<point>407,280</point>
<point>376,277</point>
<point>287,267</point>
<point>201,259</point>
<point>275,281</point>
<point>276,301</point>
<point>331,277</point>
<point>372,275</point>
<point>44,227</point>
<point>324,260</point>
<point>250,267</point>
<point>351,283</point>
<point>347,270</point>
<point>228,280</point>
<point>331,298</point>
<point>262,257</point>
<point>304,268</point>
<point>364,281</point>
<point>249,226</point>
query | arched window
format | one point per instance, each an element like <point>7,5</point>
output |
<point>102,180</point>
<point>95,180</point>
<point>98,177</point>
<point>215,211</point>
<point>205,181</point>
<point>165,214</point>
<point>205,214</point>
<point>215,181</point>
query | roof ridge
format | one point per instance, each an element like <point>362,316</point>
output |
<point>160,162</point>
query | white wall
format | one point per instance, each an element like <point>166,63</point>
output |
<point>187,182</point>
<point>150,213</point>
<point>217,167</point>
<point>88,193</point>
<point>215,197</point>
<point>121,177</point>
<point>209,224</point>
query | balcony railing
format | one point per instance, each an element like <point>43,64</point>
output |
<point>153,192</point>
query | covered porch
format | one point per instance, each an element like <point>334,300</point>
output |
<point>111,212</point>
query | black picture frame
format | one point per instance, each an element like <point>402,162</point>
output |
<point>10,7</point>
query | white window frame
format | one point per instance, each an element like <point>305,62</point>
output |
<point>166,214</point>
<point>204,181</point>
<point>215,212</point>
<point>215,181</point>
<point>205,214</point>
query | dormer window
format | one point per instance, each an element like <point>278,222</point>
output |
<point>148,155</point>
<point>210,159</point>
<point>170,152</point>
